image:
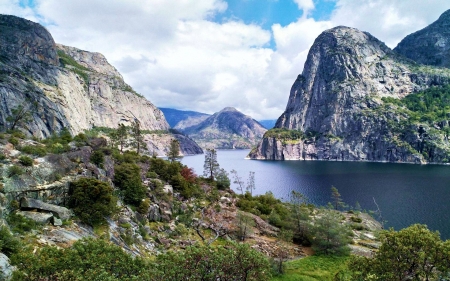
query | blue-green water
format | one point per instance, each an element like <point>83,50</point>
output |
<point>405,193</point>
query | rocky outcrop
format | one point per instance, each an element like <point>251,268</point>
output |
<point>64,87</point>
<point>159,144</point>
<point>431,45</point>
<point>30,204</point>
<point>336,105</point>
<point>227,129</point>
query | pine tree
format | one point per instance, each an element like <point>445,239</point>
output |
<point>337,200</point>
<point>136,133</point>
<point>211,166</point>
<point>174,151</point>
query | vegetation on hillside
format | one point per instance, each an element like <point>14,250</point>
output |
<point>140,182</point>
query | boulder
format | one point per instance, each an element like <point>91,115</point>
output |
<point>6,269</point>
<point>153,213</point>
<point>41,218</point>
<point>29,203</point>
<point>168,189</point>
<point>56,222</point>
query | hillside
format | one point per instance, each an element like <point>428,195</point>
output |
<point>340,107</point>
<point>226,129</point>
<point>57,87</point>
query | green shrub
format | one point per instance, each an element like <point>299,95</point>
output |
<point>18,134</point>
<point>8,243</point>
<point>14,170</point>
<point>26,161</point>
<point>13,141</point>
<point>39,151</point>
<point>2,156</point>
<point>80,139</point>
<point>152,175</point>
<point>2,136</point>
<point>98,158</point>
<point>127,177</point>
<point>356,219</point>
<point>87,259</point>
<point>92,200</point>
<point>20,224</point>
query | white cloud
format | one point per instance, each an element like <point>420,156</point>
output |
<point>390,21</point>
<point>173,53</point>
<point>305,5</point>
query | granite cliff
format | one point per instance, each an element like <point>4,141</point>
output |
<point>431,45</point>
<point>65,87</point>
<point>338,107</point>
<point>226,129</point>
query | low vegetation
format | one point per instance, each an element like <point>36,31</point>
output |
<point>141,182</point>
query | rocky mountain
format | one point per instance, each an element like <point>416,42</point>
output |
<point>227,129</point>
<point>346,105</point>
<point>181,119</point>
<point>65,87</point>
<point>431,45</point>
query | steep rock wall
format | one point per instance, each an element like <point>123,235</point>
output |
<point>85,93</point>
<point>337,103</point>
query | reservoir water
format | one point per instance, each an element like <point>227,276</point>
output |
<point>406,193</point>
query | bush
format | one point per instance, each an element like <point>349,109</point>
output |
<point>20,224</point>
<point>330,237</point>
<point>26,161</point>
<point>356,219</point>
<point>8,243</point>
<point>127,177</point>
<point>92,200</point>
<point>14,171</point>
<point>13,141</point>
<point>87,259</point>
<point>2,156</point>
<point>98,158</point>
<point>39,151</point>
<point>18,134</point>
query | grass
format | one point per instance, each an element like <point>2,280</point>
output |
<point>313,268</point>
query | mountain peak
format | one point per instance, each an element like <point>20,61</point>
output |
<point>229,109</point>
<point>430,45</point>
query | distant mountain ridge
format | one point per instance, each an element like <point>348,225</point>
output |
<point>187,118</point>
<point>226,129</point>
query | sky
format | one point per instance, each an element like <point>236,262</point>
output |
<point>205,55</point>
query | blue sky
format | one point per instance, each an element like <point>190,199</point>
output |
<point>205,55</point>
<point>268,12</point>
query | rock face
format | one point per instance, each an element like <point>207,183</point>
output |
<point>159,144</point>
<point>336,105</point>
<point>227,129</point>
<point>64,87</point>
<point>431,45</point>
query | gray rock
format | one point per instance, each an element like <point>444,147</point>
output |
<point>336,104</point>
<point>29,203</point>
<point>41,218</point>
<point>57,222</point>
<point>65,98</point>
<point>6,269</point>
<point>430,45</point>
<point>153,213</point>
<point>168,189</point>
